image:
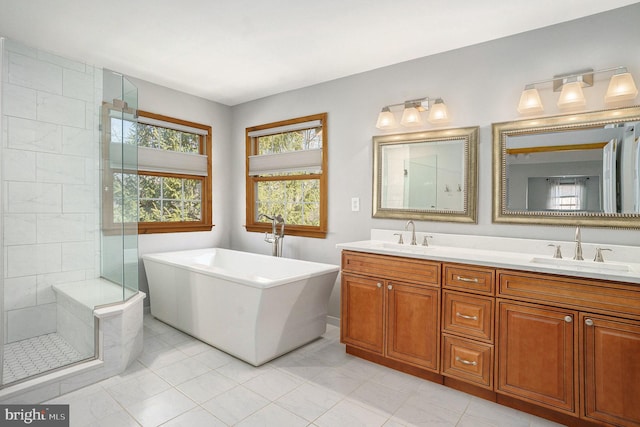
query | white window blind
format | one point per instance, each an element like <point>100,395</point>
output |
<point>145,159</point>
<point>291,161</point>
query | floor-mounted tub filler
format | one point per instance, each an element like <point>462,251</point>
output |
<point>252,306</point>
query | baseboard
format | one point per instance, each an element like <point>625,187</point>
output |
<point>332,320</point>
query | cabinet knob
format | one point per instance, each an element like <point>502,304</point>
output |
<point>568,319</point>
<point>389,287</point>
<point>588,322</point>
<point>379,284</point>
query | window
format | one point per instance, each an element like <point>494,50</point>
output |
<point>567,194</point>
<point>287,175</point>
<point>158,171</point>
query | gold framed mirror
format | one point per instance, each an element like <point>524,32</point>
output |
<point>573,169</point>
<point>428,175</point>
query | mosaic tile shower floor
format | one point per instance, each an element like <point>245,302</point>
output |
<point>33,356</point>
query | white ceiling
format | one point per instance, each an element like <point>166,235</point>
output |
<point>233,51</point>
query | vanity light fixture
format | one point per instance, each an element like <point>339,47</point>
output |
<point>621,88</point>
<point>412,113</point>
<point>386,119</point>
<point>572,95</point>
<point>439,112</point>
<point>530,102</point>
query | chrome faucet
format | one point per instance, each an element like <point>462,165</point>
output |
<point>413,231</point>
<point>276,238</point>
<point>578,240</point>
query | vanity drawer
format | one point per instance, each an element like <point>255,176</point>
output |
<point>469,278</point>
<point>468,315</point>
<point>570,292</point>
<point>392,267</point>
<point>468,361</point>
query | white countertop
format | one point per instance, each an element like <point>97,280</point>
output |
<point>621,264</point>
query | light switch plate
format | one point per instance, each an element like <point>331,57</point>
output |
<point>355,204</point>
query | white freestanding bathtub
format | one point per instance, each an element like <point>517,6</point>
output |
<point>255,307</point>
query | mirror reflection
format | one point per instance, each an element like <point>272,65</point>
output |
<point>590,170</point>
<point>426,175</point>
<point>561,169</point>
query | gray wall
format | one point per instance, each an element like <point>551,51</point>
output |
<point>481,84</point>
<point>161,100</point>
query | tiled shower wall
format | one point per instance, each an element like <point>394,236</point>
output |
<point>50,179</point>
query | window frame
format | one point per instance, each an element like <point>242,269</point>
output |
<point>206,222</point>
<point>252,225</point>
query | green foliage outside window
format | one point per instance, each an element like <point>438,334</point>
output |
<point>150,136</point>
<point>147,198</point>
<point>297,200</point>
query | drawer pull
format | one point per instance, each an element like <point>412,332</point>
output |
<point>568,319</point>
<point>464,316</point>
<point>466,362</point>
<point>588,322</point>
<point>467,279</point>
<point>389,287</point>
<point>379,285</point>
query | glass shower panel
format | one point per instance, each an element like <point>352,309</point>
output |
<point>119,255</point>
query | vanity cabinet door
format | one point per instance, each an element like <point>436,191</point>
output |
<point>536,357</point>
<point>362,312</point>
<point>611,387</point>
<point>412,324</point>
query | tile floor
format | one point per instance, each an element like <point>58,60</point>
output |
<point>180,381</point>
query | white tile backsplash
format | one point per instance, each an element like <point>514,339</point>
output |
<point>19,165</point>
<point>28,197</point>
<point>61,228</point>
<point>78,142</point>
<point>19,101</point>
<point>26,260</point>
<point>76,84</point>
<point>76,256</point>
<point>19,292</point>
<point>33,135</point>
<point>61,61</point>
<point>60,168</point>
<point>34,74</point>
<point>19,229</point>
<point>61,110</point>
<point>79,198</point>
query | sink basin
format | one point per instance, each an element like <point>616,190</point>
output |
<point>582,265</point>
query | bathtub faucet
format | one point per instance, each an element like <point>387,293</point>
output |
<point>276,237</point>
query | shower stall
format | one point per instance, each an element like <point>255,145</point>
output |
<point>66,245</point>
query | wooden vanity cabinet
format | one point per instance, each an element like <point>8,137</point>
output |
<point>385,314</point>
<point>536,357</point>
<point>610,350</point>
<point>362,312</point>
<point>560,347</point>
